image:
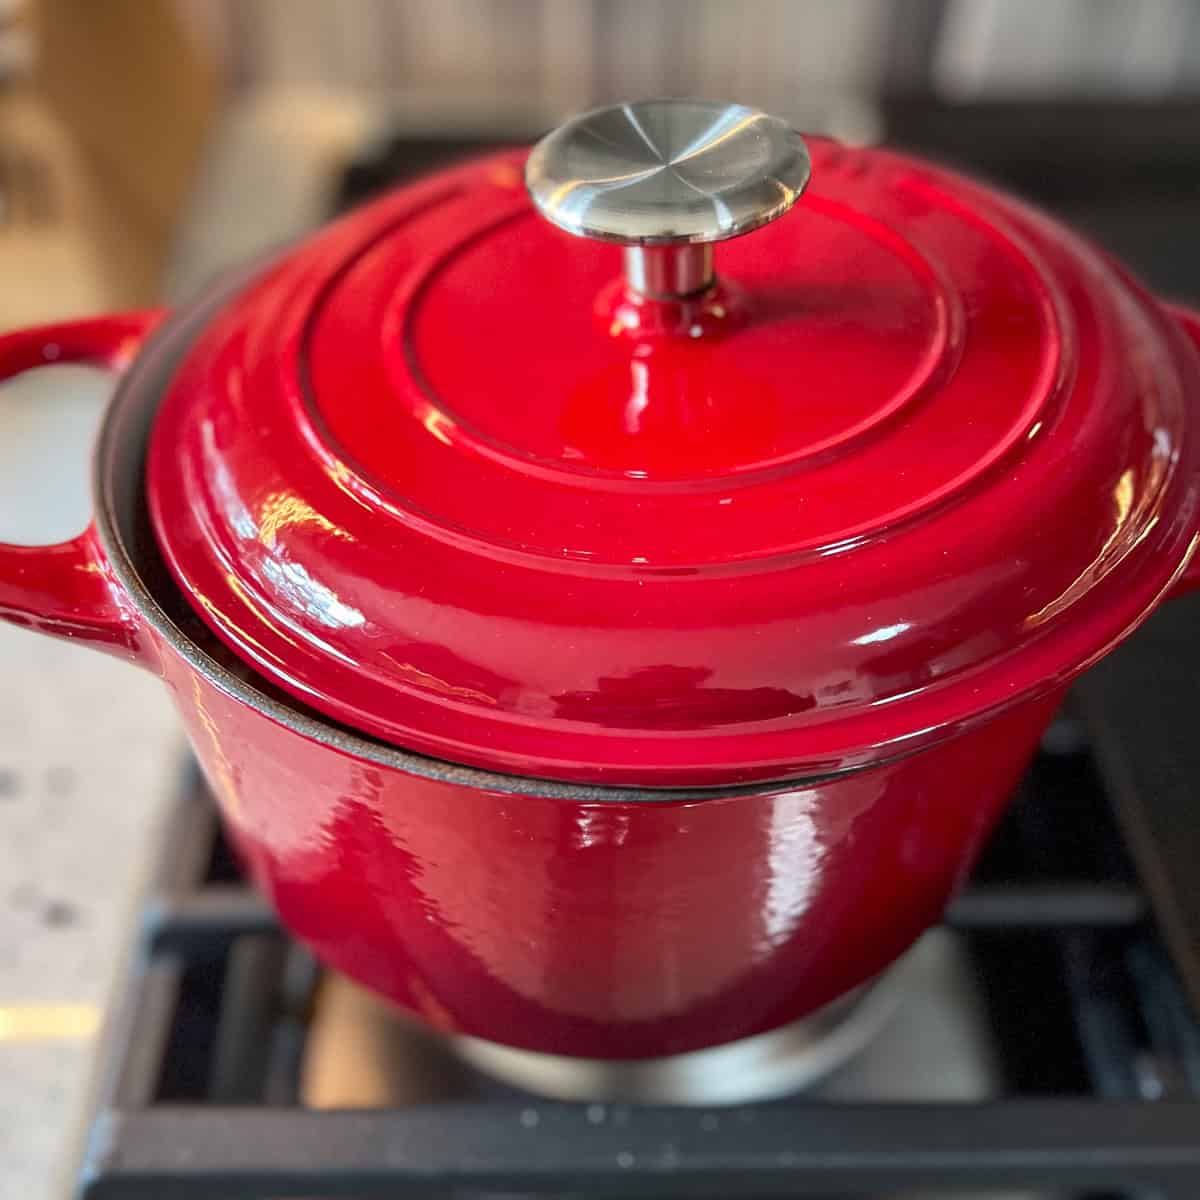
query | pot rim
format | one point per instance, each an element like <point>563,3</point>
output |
<point>124,432</point>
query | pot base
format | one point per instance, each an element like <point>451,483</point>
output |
<point>762,1067</point>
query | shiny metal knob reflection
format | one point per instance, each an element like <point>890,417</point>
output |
<point>666,178</point>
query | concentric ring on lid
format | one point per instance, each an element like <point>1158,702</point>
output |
<point>431,477</point>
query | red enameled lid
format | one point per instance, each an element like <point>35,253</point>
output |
<point>443,476</point>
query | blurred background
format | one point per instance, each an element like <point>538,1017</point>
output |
<point>145,144</point>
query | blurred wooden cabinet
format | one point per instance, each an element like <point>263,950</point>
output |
<point>99,145</point>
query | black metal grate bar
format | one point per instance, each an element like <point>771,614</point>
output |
<point>1150,757</point>
<point>143,1029</point>
<point>235,1154</point>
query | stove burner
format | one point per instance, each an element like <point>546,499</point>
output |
<point>765,1067</point>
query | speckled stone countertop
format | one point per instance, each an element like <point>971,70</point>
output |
<point>88,745</point>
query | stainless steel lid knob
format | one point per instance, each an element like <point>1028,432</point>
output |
<point>667,178</point>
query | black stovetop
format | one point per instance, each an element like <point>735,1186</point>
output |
<point>1094,1018</point>
<point>1081,923</point>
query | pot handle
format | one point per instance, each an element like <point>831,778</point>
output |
<point>1188,320</point>
<point>67,590</point>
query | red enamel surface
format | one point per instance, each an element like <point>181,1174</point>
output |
<point>921,453</point>
<point>1190,322</point>
<point>589,928</point>
<point>601,930</point>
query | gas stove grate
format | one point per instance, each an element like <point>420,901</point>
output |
<point>1100,1045</point>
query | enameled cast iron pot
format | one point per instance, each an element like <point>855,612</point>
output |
<point>620,667</point>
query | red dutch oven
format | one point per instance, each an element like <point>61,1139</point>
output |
<point>618,660</point>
